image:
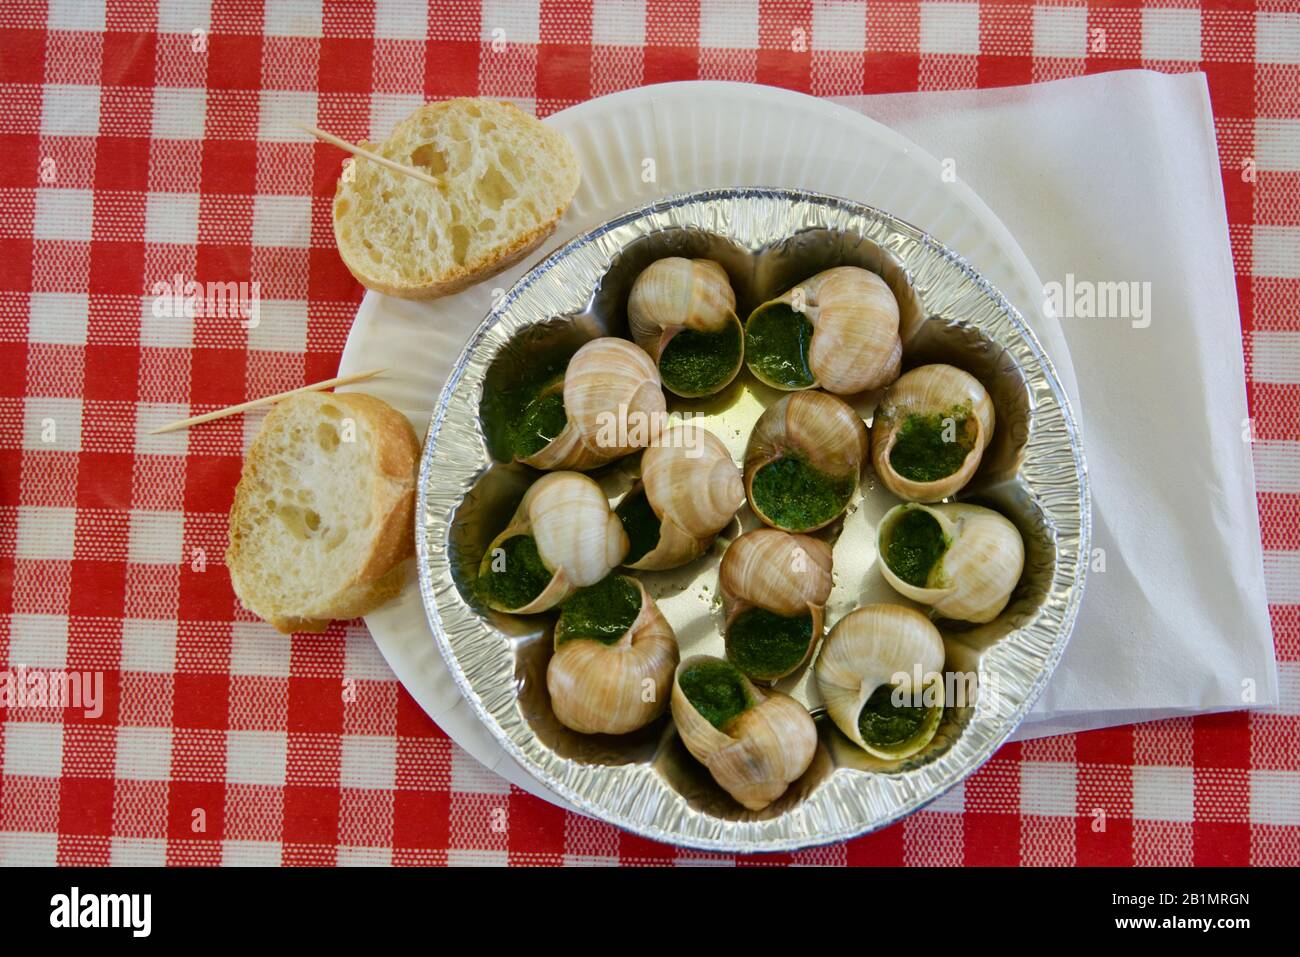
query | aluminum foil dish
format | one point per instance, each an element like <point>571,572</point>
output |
<point>648,780</point>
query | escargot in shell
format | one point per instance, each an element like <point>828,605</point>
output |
<point>600,410</point>
<point>868,672</point>
<point>774,590</point>
<point>930,431</point>
<point>690,490</point>
<point>837,330</point>
<point>682,312</point>
<point>563,536</point>
<point>754,742</point>
<point>803,461</point>
<point>614,659</point>
<point>962,560</point>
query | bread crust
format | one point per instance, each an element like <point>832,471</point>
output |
<point>396,452</point>
<point>484,266</point>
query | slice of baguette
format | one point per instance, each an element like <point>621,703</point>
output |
<point>324,512</point>
<point>506,181</point>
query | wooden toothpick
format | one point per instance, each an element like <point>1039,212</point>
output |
<point>355,150</point>
<point>265,400</point>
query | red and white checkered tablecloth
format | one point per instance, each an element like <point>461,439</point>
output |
<point>142,141</point>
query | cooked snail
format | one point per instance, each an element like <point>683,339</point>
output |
<point>880,673</point>
<point>602,409</point>
<point>837,331</point>
<point>774,588</point>
<point>803,461</point>
<point>690,490</point>
<point>754,742</point>
<point>683,313</point>
<point>929,432</point>
<point>614,659</point>
<point>962,560</point>
<point>562,537</point>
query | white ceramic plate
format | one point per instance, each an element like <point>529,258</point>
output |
<point>636,146</point>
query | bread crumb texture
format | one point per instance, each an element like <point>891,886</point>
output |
<point>323,514</point>
<point>505,178</point>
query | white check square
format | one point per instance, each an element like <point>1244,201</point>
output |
<point>280,110</point>
<point>251,853</point>
<point>46,533</point>
<point>148,645</point>
<point>161,326</point>
<point>1163,794</point>
<point>172,218</point>
<point>137,852</point>
<point>839,25</point>
<point>144,754</point>
<point>58,317</point>
<point>1048,789</point>
<point>256,757</point>
<point>155,537</point>
<point>38,642</point>
<point>401,19</point>
<point>293,18</point>
<point>33,749</point>
<point>184,16</point>
<point>950,28</point>
<point>281,327</point>
<point>368,761</point>
<point>256,648</point>
<point>1061,32</point>
<point>179,113</point>
<point>64,214</point>
<point>25,849</point>
<point>83,16</point>
<point>729,24</point>
<point>1171,34</point>
<point>1277,37</point>
<point>52,425</point>
<point>282,221</point>
<point>1275,798</point>
<point>70,110</point>
<point>509,21</point>
<point>618,23</point>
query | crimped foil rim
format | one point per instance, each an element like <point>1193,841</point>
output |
<point>850,802</point>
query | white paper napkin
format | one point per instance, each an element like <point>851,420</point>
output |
<point>1114,178</point>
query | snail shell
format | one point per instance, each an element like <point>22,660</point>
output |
<point>579,539</point>
<point>974,577</point>
<point>817,429</point>
<point>785,574</point>
<point>607,384</point>
<point>694,488</point>
<point>675,294</point>
<point>932,390</point>
<point>854,344</point>
<point>756,755</point>
<point>600,688</point>
<point>873,646</point>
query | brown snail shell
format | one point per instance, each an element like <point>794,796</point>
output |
<point>817,428</point>
<point>979,569</point>
<point>931,390</point>
<point>600,688</point>
<point>608,382</point>
<point>782,573</point>
<point>876,645</point>
<point>579,539</point>
<point>756,756</point>
<point>675,294</point>
<point>855,345</point>
<point>694,488</point>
